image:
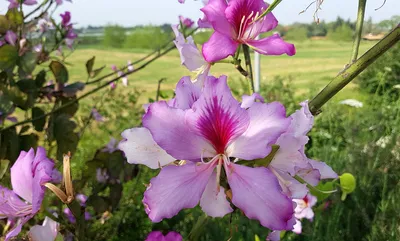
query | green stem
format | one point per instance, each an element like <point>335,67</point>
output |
<point>249,69</point>
<point>198,228</point>
<point>269,9</point>
<point>301,180</point>
<point>159,88</point>
<point>354,69</point>
<point>359,27</point>
<point>79,213</point>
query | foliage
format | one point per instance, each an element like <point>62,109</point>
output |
<point>382,78</point>
<point>341,33</point>
<point>296,34</point>
<point>147,38</point>
<point>114,36</point>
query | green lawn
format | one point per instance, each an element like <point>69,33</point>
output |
<point>313,66</point>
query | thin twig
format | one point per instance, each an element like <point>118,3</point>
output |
<point>359,27</point>
<point>354,69</point>
<point>158,88</point>
<point>249,68</point>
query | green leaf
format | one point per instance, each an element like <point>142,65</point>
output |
<point>256,238</point>
<point>29,87</point>
<point>6,105</point>
<point>24,129</point>
<point>347,183</point>
<point>15,16</point>
<point>15,95</point>
<point>89,65</point>
<point>96,72</point>
<point>38,124</point>
<point>59,72</point>
<point>98,203</point>
<point>67,139</point>
<point>4,24</point>
<point>8,57</point>
<point>9,145</point>
<point>115,194</point>
<point>72,108</point>
<point>27,62</point>
<point>3,167</point>
<point>27,142</point>
<point>40,78</point>
<point>326,187</point>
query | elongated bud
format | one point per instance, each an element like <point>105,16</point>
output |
<point>67,177</point>
<point>57,191</point>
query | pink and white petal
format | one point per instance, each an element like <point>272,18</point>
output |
<point>173,236</point>
<point>302,121</point>
<point>267,123</point>
<point>140,148</point>
<point>290,186</point>
<point>11,205</point>
<point>248,100</point>
<point>309,174</point>
<point>219,47</point>
<point>46,232</point>
<point>176,188</point>
<point>274,236</point>
<point>273,45</point>
<point>213,202</point>
<point>215,13</point>
<point>257,193</point>
<point>171,132</point>
<point>289,156</point>
<point>325,170</point>
<point>22,175</point>
<point>186,93</point>
<point>216,115</point>
<point>203,22</point>
<point>297,228</point>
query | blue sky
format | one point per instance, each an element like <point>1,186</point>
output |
<point>135,12</point>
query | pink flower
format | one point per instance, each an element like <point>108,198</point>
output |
<point>191,58</point>
<point>11,38</point>
<point>28,175</point>
<point>111,146</point>
<point>186,22</point>
<point>66,18</point>
<point>59,2</point>
<point>48,231</point>
<point>158,236</point>
<point>181,1</point>
<point>304,207</point>
<point>97,116</point>
<point>15,3</point>
<point>207,129</point>
<point>233,22</point>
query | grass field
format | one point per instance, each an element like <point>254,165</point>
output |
<point>313,66</point>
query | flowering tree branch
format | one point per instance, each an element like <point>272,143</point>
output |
<point>354,69</point>
<point>359,27</point>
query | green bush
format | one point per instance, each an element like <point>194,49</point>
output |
<point>114,36</point>
<point>202,37</point>
<point>147,38</point>
<point>296,34</point>
<point>341,33</point>
<point>382,76</point>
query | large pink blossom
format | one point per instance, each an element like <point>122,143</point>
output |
<point>209,131</point>
<point>28,175</point>
<point>234,23</point>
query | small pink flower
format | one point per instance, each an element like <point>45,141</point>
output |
<point>11,37</point>
<point>158,236</point>
<point>186,22</point>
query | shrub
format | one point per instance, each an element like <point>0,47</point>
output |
<point>296,34</point>
<point>341,33</point>
<point>147,38</point>
<point>114,36</point>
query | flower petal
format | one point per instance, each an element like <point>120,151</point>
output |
<point>289,156</point>
<point>215,14</point>
<point>248,100</point>
<point>17,228</point>
<point>213,202</point>
<point>173,236</point>
<point>297,227</point>
<point>217,115</point>
<point>219,47</point>
<point>140,148</point>
<point>273,45</point>
<point>176,188</point>
<point>302,121</point>
<point>325,170</point>
<point>274,236</point>
<point>22,175</point>
<point>11,205</point>
<point>186,93</point>
<point>267,123</point>
<point>257,193</point>
<point>290,186</point>
<point>171,132</point>
<point>309,174</point>
<point>46,232</point>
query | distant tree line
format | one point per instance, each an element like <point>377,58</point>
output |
<point>153,37</point>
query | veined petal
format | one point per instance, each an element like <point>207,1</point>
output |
<point>186,93</point>
<point>176,188</point>
<point>17,228</point>
<point>325,170</point>
<point>302,121</point>
<point>173,236</point>
<point>274,236</point>
<point>217,115</point>
<point>290,186</point>
<point>171,132</point>
<point>22,175</point>
<point>219,47</point>
<point>46,232</point>
<point>248,100</point>
<point>289,156</point>
<point>140,148</point>
<point>267,123</point>
<point>309,174</point>
<point>215,13</point>
<point>213,202</point>
<point>273,45</point>
<point>257,193</point>
<point>11,206</point>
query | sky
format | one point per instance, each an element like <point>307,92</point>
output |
<point>143,12</point>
